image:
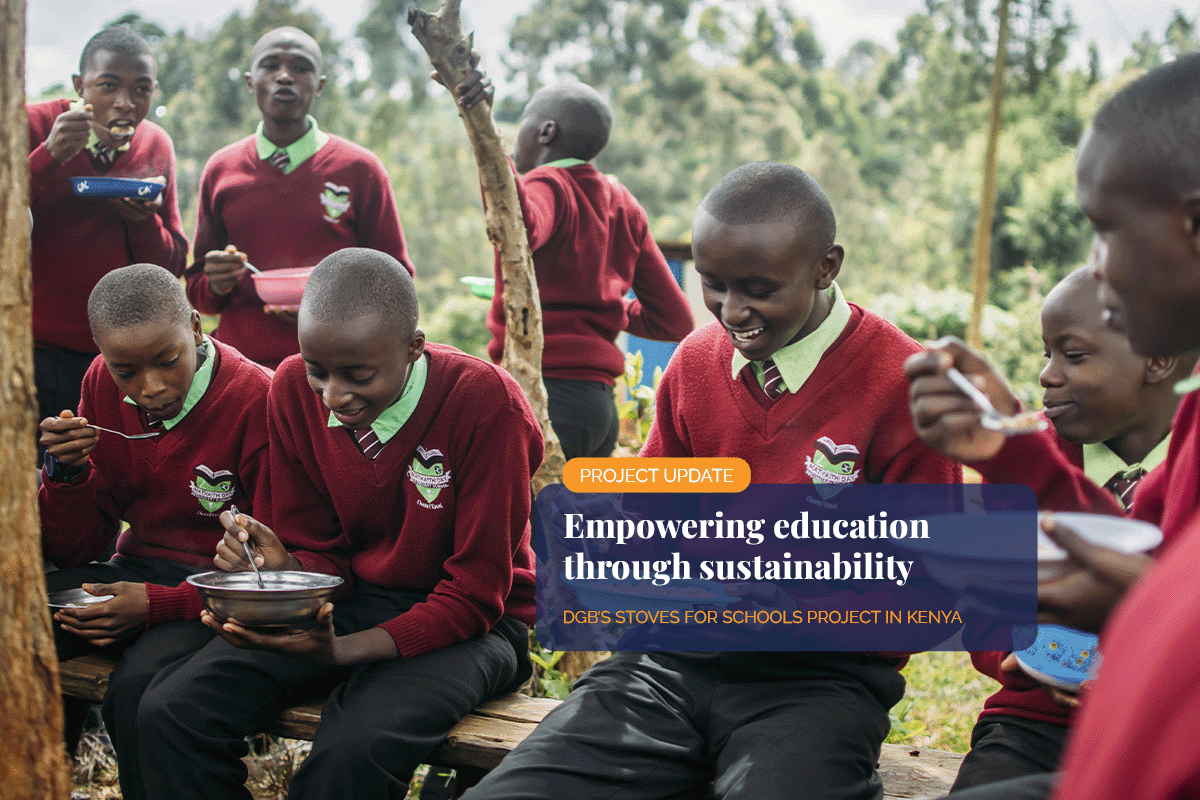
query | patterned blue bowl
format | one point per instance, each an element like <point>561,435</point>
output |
<point>1061,657</point>
<point>100,186</point>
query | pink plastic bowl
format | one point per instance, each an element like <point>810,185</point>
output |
<point>281,287</point>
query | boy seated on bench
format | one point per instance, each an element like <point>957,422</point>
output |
<point>403,467</point>
<point>206,404</point>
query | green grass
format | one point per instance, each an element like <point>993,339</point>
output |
<point>944,697</point>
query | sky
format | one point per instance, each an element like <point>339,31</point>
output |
<point>56,30</point>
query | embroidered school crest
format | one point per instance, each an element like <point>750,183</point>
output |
<point>336,200</point>
<point>212,489</point>
<point>832,463</point>
<point>428,473</point>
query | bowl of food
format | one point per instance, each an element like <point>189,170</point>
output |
<point>286,599</point>
<point>104,186</point>
<point>76,598</point>
<point>1116,533</point>
<point>281,287</point>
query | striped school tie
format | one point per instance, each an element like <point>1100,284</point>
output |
<point>281,159</point>
<point>103,158</point>
<point>368,442</point>
<point>1122,485</point>
<point>772,380</point>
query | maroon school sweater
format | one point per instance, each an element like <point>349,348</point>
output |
<point>171,488</point>
<point>1020,695</point>
<point>591,244</point>
<point>1135,736</point>
<point>853,408</point>
<point>443,509</point>
<point>77,240</point>
<point>340,197</point>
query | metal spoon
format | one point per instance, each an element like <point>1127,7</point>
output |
<point>246,544</point>
<point>126,435</point>
<point>990,418</point>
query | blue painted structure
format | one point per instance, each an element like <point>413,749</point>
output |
<point>657,354</point>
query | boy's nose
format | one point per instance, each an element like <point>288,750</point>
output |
<point>123,101</point>
<point>334,396</point>
<point>1049,376</point>
<point>734,312</point>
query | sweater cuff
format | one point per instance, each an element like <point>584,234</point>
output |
<point>411,638</point>
<point>172,603</point>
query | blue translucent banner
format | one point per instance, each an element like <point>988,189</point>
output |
<point>864,567</point>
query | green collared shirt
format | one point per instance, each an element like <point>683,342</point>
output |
<point>298,151</point>
<point>1188,385</point>
<point>565,162</point>
<point>394,416</point>
<point>93,144</point>
<point>200,383</point>
<point>1101,464</point>
<point>797,360</point>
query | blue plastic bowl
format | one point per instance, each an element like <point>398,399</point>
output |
<point>101,186</point>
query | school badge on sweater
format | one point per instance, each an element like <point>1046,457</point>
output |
<point>429,474</point>
<point>336,200</point>
<point>832,463</point>
<point>212,488</point>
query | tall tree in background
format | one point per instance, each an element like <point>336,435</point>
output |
<point>32,759</point>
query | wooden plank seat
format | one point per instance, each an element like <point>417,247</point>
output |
<point>490,732</point>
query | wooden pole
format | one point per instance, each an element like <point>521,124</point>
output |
<point>32,761</point>
<point>450,52</point>
<point>987,201</point>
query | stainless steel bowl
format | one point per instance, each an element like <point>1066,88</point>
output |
<point>289,599</point>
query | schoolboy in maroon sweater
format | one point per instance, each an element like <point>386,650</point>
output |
<point>405,468</point>
<point>286,196</point>
<point>1137,181</point>
<point>658,725</point>
<point>1111,410</point>
<point>77,239</point>
<point>206,406</point>
<point>591,244</point>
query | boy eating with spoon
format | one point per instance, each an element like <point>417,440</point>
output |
<point>77,239</point>
<point>205,403</point>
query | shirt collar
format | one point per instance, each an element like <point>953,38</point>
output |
<point>394,416</point>
<point>1188,384</point>
<point>200,384</point>
<point>565,162</point>
<point>1100,463</point>
<point>298,151</point>
<point>93,144</point>
<point>797,360</point>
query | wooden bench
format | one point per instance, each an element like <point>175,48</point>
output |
<point>490,732</point>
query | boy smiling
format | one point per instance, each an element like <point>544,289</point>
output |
<point>286,196</point>
<point>76,239</point>
<point>404,467</point>
<point>646,726</point>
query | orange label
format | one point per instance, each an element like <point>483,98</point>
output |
<point>656,475</point>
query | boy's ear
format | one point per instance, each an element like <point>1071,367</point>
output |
<point>417,348</point>
<point>197,329</point>
<point>1160,368</point>
<point>249,81</point>
<point>1191,208</point>
<point>830,266</point>
<point>77,82</point>
<point>320,86</point>
<point>547,132</point>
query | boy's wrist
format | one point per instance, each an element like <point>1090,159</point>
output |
<point>61,473</point>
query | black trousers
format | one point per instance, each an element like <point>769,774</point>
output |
<point>1028,787</point>
<point>139,658</point>
<point>380,721</point>
<point>58,374</point>
<point>1004,747</point>
<point>644,726</point>
<point>584,416</point>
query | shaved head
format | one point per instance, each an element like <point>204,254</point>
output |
<point>583,116</point>
<point>767,191</point>
<point>292,38</point>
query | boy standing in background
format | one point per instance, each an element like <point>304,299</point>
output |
<point>286,196</point>
<point>76,239</point>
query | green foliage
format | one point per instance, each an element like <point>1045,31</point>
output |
<point>635,401</point>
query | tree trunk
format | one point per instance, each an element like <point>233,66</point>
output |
<point>450,52</point>
<point>32,763</point>
<point>987,202</point>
